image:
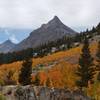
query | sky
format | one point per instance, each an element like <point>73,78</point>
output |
<point>30,14</point>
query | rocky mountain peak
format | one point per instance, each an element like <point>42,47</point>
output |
<point>8,42</point>
<point>56,19</point>
<point>50,31</point>
<point>54,23</point>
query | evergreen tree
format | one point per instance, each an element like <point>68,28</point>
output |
<point>26,71</point>
<point>98,57</point>
<point>85,70</point>
<point>93,30</point>
<point>87,30</point>
<point>98,61</point>
<point>69,43</point>
<point>98,28</point>
<point>98,76</point>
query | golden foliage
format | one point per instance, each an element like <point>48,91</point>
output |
<point>61,75</point>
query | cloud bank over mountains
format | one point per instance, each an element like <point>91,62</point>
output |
<point>30,14</point>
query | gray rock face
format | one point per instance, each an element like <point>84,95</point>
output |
<point>40,93</point>
<point>51,31</point>
<point>6,46</point>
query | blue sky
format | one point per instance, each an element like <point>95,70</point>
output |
<point>15,35</point>
<point>26,15</point>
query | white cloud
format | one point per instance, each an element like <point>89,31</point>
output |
<point>11,36</point>
<point>32,13</point>
<point>6,32</point>
<point>13,39</point>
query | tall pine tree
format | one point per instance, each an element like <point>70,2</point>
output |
<point>98,61</point>
<point>98,57</point>
<point>25,73</point>
<point>85,70</point>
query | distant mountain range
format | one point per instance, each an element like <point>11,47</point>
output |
<point>14,34</point>
<point>6,46</point>
<point>51,31</point>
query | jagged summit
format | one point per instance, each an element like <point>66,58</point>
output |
<point>55,20</point>
<point>50,31</point>
<point>56,26</point>
<point>56,17</point>
<point>52,23</point>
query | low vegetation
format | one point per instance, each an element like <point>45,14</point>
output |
<point>58,70</point>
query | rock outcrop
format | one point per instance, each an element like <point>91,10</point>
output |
<point>40,93</point>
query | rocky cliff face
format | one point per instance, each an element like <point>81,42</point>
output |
<point>51,31</point>
<point>40,93</point>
